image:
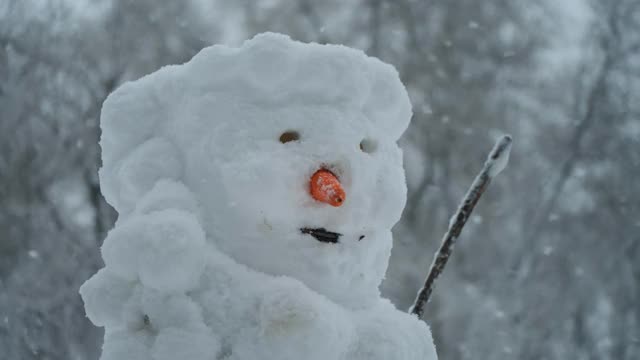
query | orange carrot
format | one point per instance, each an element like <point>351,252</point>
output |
<point>325,187</point>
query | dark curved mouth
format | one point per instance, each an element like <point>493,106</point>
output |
<point>322,235</point>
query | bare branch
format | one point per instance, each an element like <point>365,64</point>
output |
<point>594,99</point>
<point>496,162</point>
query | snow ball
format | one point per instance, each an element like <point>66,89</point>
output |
<point>103,295</point>
<point>286,309</point>
<point>174,344</point>
<point>171,310</point>
<point>386,333</point>
<point>164,249</point>
<point>167,194</point>
<point>292,316</point>
<point>175,258</point>
<point>152,161</point>
<point>388,100</point>
<point>270,65</point>
<point>120,133</point>
<point>122,247</point>
<point>122,344</point>
<point>134,317</point>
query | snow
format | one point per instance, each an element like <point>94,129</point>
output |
<point>207,259</point>
<point>502,151</point>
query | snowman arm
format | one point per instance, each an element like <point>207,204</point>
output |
<point>495,163</point>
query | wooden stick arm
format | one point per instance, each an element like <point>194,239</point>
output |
<point>496,162</point>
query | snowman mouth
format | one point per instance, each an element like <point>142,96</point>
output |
<point>322,235</point>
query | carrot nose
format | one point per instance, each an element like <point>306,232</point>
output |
<point>325,187</point>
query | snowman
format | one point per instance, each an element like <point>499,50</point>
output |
<point>256,189</point>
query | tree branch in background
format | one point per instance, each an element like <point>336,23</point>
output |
<point>594,99</point>
<point>496,162</point>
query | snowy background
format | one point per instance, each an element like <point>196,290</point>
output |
<point>547,268</point>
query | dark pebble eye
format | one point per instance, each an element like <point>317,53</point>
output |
<point>368,145</point>
<point>289,136</point>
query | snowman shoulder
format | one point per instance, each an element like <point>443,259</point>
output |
<point>285,302</point>
<point>384,332</point>
<point>270,317</point>
<point>295,322</point>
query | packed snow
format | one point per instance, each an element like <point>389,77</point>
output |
<point>499,157</point>
<point>220,251</point>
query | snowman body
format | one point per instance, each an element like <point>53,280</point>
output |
<point>220,250</point>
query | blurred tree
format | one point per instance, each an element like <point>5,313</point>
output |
<point>57,65</point>
<point>583,218</point>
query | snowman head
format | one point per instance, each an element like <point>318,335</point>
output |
<point>289,148</point>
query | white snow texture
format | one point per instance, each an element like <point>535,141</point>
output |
<point>207,259</point>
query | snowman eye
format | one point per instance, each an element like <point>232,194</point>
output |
<point>368,145</point>
<point>289,136</point>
